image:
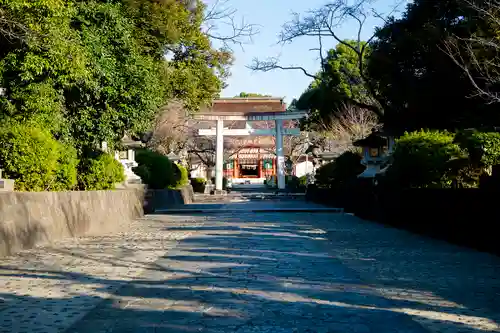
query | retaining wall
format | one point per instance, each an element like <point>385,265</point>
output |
<point>28,219</point>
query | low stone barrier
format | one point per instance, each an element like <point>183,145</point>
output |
<point>28,219</point>
<point>163,199</point>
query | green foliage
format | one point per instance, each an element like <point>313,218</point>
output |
<point>303,181</point>
<point>93,70</point>
<point>483,145</point>
<point>181,176</point>
<point>155,170</point>
<point>35,160</point>
<point>67,171</point>
<point>343,169</point>
<point>198,184</point>
<point>339,83</point>
<point>424,159</point>
<point>410,66</point>
<point>100,171</point>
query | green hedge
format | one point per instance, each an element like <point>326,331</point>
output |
<point>100,171</point>
<point>35,160</point>
<point>488,141</point>
<point>158,172</point>
<point>343,169</point>
<point>198,184</point>
<point>422,159</point>
<point>181,176</point>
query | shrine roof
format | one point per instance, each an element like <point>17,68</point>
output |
<point>245,105</point>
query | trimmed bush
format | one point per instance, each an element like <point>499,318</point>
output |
<point>343,169</point>
<point>155,169</point>
<point>181,176</point>
<point>67,172</point>
<point>422,159</point>
<point>474,141</point>
<point>100,171</point>
<point>303,181</point>
<point>35,160</point>
<point>198,184</point>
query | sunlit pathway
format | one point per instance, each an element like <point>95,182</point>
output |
<point>257,272</point>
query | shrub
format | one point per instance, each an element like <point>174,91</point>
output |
<point>35,160</point>
<point>303,181</point>
<point>422,159</point>
<point>344,168</point>
<point>155,169</point>
<point>198,184</point>
<point>67,171</point>
<point>489,141</point>
<point>100,171</point>
<point>181,176</point>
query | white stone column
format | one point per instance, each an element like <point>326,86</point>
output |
<point>280,155</point>
<point>219,154</point>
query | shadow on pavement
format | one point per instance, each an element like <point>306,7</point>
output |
<point>278,273</point>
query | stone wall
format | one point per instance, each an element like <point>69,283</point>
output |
<point>28,219</point>
<point>168,198</point>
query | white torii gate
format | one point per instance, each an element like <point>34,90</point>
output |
<point>278,131</point>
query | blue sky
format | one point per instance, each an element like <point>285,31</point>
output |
<point>270,16</point>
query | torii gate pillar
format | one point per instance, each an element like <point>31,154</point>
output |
<point>280,156</point>
<point>219,154</point>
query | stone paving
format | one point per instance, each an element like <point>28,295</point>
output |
<point>251,272</point>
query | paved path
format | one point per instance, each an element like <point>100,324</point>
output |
<point>254,272</point>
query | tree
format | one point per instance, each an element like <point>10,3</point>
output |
<point>94,70</point>
<point>294,147</point>
<point>339,83</point>
<point>11,30</point>
<point>171,129</point>
<point>344,128</point>
<point>478,55</point>
<point>203,148</point>
<point>320,23</point>
<point>220,13</point>
<point>417,81</point>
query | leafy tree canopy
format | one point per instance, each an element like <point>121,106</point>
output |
<point>94,70</point>
<point>338,83</point>
<point>419,83</point>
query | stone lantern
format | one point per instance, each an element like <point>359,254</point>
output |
<point>126,157</point>
<point>375,153</point>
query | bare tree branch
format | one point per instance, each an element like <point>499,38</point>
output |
<point>12,30</point>
<point>346,126</point>
<point>272,64</point>
<point>220,14</point>
<point>478,56</point>
<point>323,22</point>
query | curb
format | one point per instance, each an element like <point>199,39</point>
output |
<point>256,210</point>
